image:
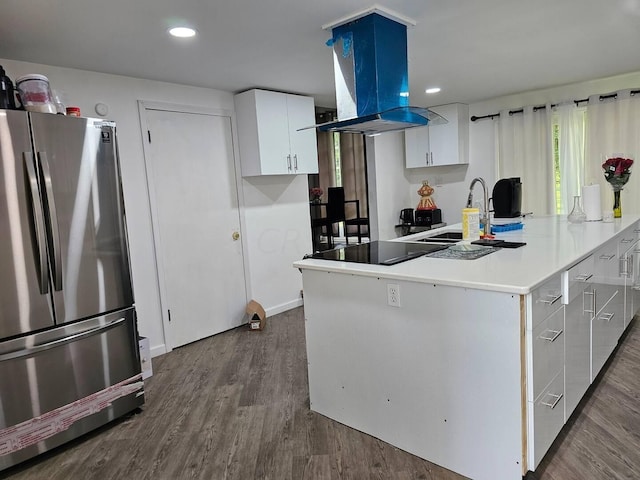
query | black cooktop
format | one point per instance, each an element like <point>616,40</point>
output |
<point>379,252</point>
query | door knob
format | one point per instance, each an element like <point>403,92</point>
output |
<point>235,235</point>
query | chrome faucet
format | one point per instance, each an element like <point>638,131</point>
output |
<point>485,214</point>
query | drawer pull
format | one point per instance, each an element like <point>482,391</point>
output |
<point>607,257</point>
<point>626,240</point>
<point>584,277</point>
<point>551,299</point>
<point>606,316</point>
<point>637,230</point>
<point>550,335</point>
<point>556,399</point>
<point>593,301</point>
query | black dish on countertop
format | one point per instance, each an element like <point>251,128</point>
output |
<point>498,243</point>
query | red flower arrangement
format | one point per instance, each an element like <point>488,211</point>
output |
<point>315,193</point>
<point>617,171</point>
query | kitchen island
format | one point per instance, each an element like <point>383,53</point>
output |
<point>474,365</point>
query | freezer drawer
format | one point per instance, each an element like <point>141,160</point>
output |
<point>62,383</point>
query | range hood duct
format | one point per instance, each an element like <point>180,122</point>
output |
<point>372,76</point>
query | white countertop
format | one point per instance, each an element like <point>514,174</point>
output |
<point>553,245</point>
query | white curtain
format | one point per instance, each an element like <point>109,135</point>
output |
<point>571,129</point>
<point>525,151</point>
<point>613,128</point>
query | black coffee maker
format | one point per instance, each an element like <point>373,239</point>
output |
<point>406,216</point>
<point>7,95</point>
<point>507,198</point>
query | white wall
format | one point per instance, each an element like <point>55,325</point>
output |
<point>275,210</point>
<point>451,183</point>
<point>278,232</point>
<point>387,183</point>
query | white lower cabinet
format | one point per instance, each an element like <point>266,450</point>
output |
<point>545,389</point>
<point>548,350</point>
<point>598,297</point>
<point>607,323</point>
<point>629,253</point>
<point>606,328</point>
<point>546,299</point>
<point>579,311</point>
<point>548,417</point>
<point>577,359</point>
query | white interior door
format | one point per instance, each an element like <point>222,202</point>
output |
<point>194,197</point>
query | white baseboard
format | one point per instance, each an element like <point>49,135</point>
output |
<point>283,307</point>
<point>158,350</point>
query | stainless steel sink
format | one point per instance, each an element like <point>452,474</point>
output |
<point>445,237</point>
<point>448,236</point>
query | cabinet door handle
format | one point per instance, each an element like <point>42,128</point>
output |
<point>426,158</point>
<point>431,158</point>
<point>593,301</point>
<point>295,162</point>
<point>550,300</point>
<point>555,398</point>
<point>607,257</point>
<point>624,267</point>
<point>550,335</point>
<point>606,316</point>
<point>289,162</point>
<point>583,278</point>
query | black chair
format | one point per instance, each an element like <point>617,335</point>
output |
<point>318,222</point>
<point>336,213</point>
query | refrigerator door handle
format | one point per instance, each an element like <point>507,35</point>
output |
<point>38,220</point>
<point>52,221</point>
<point>61,341</point>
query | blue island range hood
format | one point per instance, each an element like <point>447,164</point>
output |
<point>371,75</point>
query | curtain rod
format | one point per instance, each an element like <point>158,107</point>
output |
<point>542,107</point>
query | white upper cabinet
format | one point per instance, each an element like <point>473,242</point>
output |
<point>268,136</point>
<point>434,145</point>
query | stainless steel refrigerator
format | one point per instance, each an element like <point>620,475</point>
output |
<point>69,357</point>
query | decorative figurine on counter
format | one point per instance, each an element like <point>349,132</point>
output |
<point>426,202</point>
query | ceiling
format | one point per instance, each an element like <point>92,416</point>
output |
<point>474,50</point>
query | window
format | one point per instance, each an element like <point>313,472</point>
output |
<point>557,185</point>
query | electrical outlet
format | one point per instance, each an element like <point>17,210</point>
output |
<point>393,294</point>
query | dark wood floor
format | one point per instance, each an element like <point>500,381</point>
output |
<point>236,406</point>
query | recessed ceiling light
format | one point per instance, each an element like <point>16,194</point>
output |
<point>182,32</point>
<point>432,90</point>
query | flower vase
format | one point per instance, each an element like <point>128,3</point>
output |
<point>617,208</point>
<point>577,215</point>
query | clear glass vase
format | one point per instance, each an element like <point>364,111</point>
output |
<point>577,215</point>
